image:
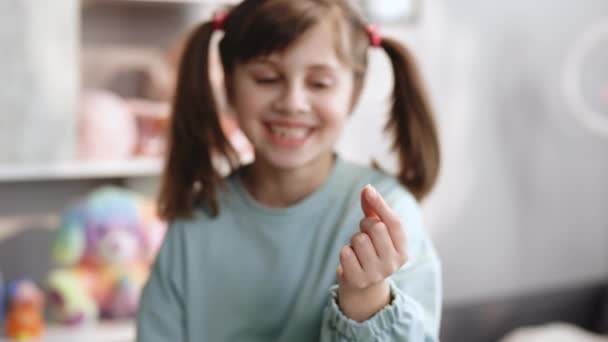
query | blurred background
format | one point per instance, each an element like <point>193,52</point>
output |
<point>519,215</point>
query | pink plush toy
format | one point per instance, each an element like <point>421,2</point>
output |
<point>107,128</point>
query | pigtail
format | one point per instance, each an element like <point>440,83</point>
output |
<point>412,123</point>
<point>194,135</point>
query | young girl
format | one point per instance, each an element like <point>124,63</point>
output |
<point>289,248</point>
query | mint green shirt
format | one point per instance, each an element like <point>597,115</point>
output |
<point>255,273</point>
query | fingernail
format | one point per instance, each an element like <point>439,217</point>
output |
<point>371,193</point>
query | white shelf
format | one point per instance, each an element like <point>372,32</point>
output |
<point>65,170</point>
<point>103,332</point>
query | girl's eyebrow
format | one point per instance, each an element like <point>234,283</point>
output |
<point>322,67</point>
<point>317,66</point>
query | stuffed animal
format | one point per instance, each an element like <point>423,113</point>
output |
<point>24,319</point>
<point>141,82</point>
<point>70,302</point>
<point>106,246</point>
<point>103,116</point>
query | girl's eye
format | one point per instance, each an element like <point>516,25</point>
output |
<point>266,80</point>
<point>321,84</point>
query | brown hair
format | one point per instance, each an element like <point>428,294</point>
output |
<point>257,28</point>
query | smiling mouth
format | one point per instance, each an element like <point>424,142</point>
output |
<point>289,135</point>
<point>289,132</point>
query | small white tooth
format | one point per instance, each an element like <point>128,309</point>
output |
<point>289,132</point>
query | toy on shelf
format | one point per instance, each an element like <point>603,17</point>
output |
<point>152,119</point>
<point>129,94</point>
<point>24,320</point>
<point>106,246</point>
<point>141,82</point>
<point>69,301</point>
<point>103,116</point>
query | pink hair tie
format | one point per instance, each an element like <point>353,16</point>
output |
<point>219,18</point>
<point>374,35</point>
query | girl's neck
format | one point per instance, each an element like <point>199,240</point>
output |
<point>279,188</point>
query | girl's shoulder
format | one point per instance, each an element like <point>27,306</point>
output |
<point>202,213</point>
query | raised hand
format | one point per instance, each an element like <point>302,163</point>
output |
<point>375,253</point>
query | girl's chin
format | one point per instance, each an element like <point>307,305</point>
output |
<point>283,157</point>
<point>284,161</point>
<point>281,160</point>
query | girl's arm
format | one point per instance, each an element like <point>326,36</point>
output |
<point>414,309</point>
<point>161,311</point>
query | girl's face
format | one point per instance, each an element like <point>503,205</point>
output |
<point>292,105</point>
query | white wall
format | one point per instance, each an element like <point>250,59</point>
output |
<point>39,74</point>
<point>521,201</point>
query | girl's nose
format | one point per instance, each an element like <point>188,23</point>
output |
<point>294,100</point>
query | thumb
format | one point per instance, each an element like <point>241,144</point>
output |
<point>368,211</point>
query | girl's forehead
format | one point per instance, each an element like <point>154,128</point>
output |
<point>315,48</point>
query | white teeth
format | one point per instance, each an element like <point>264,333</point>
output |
<point>289,132</point>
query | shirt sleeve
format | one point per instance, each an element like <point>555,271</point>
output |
<point>161,311</point>
<point>414,312</point>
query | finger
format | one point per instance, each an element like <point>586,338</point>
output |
<point>352,271</point>
<point>380,237</point>
<point>374,202</point>
<point>367,209</point>
<point>340,274</point>
<point>388,216</point>
<point>364,249</point>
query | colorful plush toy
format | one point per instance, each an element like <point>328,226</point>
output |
<point>106,246</point>
<point>70,302</point>
<point>24,319</point>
